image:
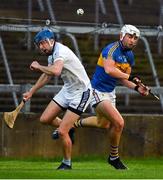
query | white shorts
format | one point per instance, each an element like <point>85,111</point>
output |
<point>76,101</point>
<point>101,96</point>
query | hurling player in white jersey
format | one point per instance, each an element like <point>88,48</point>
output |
<point>75,94</point>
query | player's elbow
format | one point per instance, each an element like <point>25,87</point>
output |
<point>108,70</point>
<point>56,72</point>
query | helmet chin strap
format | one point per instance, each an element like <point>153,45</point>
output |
<point>51,43</point>
<point>122,36</point>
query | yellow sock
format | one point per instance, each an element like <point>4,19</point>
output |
<point>113,152</point>
<point>78,123</point>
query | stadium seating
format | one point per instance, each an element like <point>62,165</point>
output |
<point>19,57</point>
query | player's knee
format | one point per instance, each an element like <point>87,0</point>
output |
<point>43,120</point>
<point>119,125</point>
<point>103,124</point>
<point>63,134</point>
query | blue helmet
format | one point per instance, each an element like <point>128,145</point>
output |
<point>43,35</point>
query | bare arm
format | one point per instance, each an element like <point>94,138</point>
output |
<point>128,84</point>
<point>48,71</point>
<point>110,68</point>
<point>44,79</point>
<point>53,70</point>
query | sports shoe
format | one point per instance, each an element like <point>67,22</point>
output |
<point>64,167</point>
<point>117,163</point>
<point>55,134</point>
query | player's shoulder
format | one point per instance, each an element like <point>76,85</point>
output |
<point>60,48</point>
<point>110,48</point>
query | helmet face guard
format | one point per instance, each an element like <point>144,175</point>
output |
<point>129,29</point>
<point>43,35</point>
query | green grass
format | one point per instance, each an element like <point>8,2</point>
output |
<point>83,168</point>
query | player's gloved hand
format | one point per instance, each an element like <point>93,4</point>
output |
<point>143,90</point>
<point>134,79</point>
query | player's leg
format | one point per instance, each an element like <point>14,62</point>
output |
<point>92,121</point>
<point>50,113</point>
<point>49,117</point>
<point>79,101</point>
<point>57,105</point>
<point>66,124</point>
<point>116,128</point>
<point>57,121</point>
<point>98,120</point>
<point>55,135</point>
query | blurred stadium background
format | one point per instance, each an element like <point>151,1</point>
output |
<point>86,35</point>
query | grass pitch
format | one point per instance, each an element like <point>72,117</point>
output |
<point>83,168</point>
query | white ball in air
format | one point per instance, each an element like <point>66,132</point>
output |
<point>80,11</point>
<point>47,22</point>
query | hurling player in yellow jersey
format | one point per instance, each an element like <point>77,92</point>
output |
<point>114,64</point>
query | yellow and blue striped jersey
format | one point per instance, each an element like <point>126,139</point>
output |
<point>123,60</point>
